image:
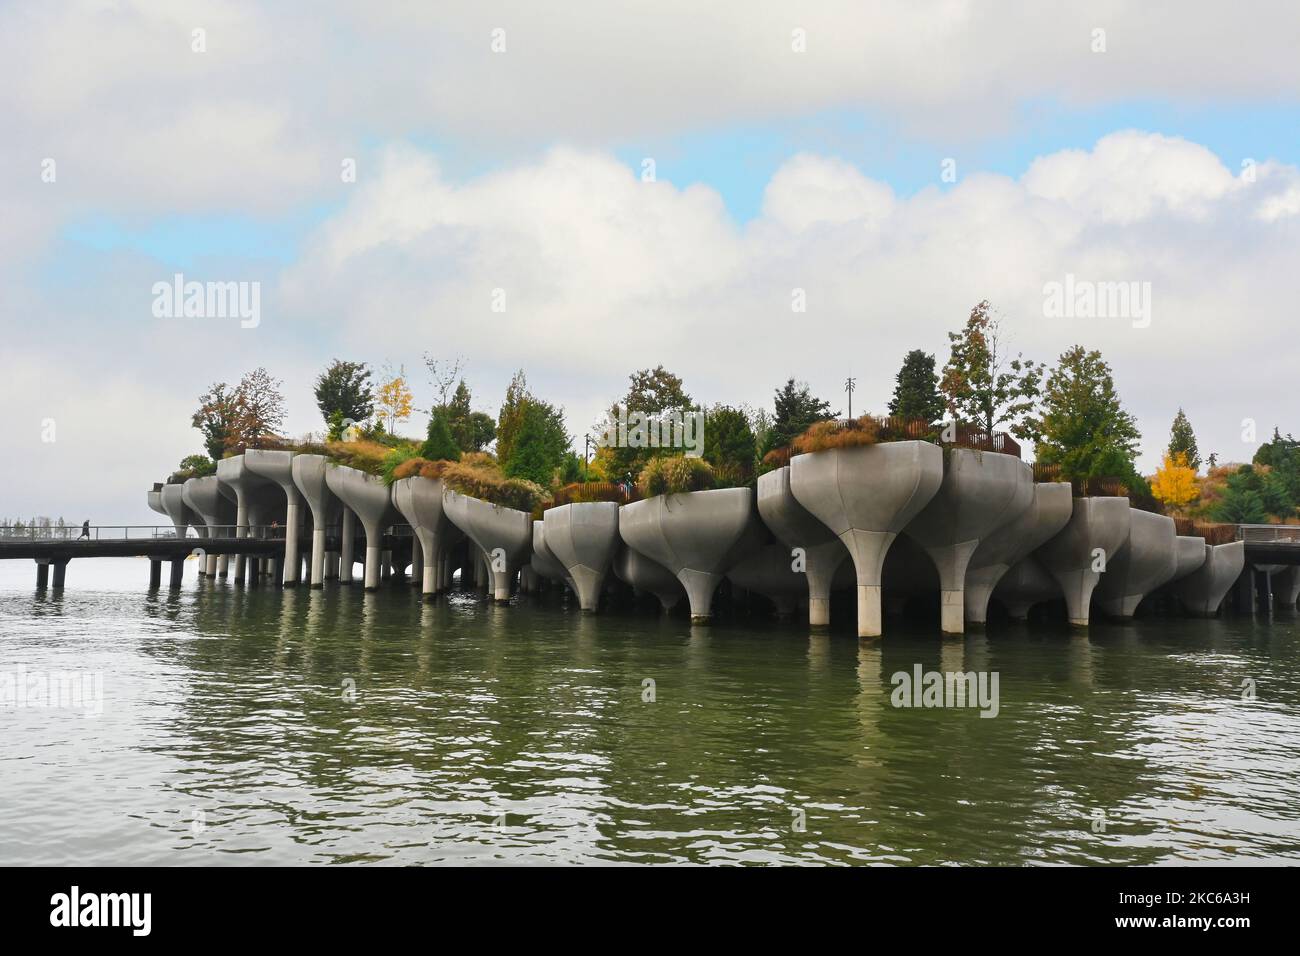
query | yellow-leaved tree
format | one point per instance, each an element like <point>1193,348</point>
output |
<point>394,400</point>
<point>1174,483</point>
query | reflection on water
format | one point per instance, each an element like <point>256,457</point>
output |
<point>339,726</point>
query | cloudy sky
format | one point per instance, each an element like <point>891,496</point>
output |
<point>639,184</point>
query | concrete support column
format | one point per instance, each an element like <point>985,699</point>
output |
<point>385,563</point>
<point>210,565</point>
<point>417,559</point>
<point>1077,587</point>
<point>155,574</point>
<point>822,563</point>
<point>345,555</point>
<point>868,550</point>
<point>429,575</point>
<point>177,573</point>
<point>317,557</point>
<point>292,523</point>
<point>60,573</point>
<point>241,531</point>
<point>374,557</point>
<point>42,575</point>
<point>951,562</point>
<point>223,565</point>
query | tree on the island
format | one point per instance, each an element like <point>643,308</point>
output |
<point>795,410</point>
<point>217,418</point>
<point>1283,456</point>
<point>655,393</point>
<point>915,389</point>
<point>540,445</point>
<point>343,392</point>
<point>983,385</point>
<point>394,399</point>
<point>261,408</point>
<point>472,430</point>
<point>531,437</point>
<point>1241,502</point>
<point>1082,427</point>
<point>443,374</point>
<point>1174,483</point>
<point>439,445</point>
<point>1182,441</point>
<point>729,445</point>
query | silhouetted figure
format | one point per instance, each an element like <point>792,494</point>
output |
<point>85,530</point>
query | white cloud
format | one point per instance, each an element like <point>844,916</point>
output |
<point>604,273</point>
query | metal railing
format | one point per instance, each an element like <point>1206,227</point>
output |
<point>139,532</point>
<point>1268,532</point>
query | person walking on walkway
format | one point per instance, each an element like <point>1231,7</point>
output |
<point>85,530</point>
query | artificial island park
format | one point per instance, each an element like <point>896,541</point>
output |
<point>703,634</point>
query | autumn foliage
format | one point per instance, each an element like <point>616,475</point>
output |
<point>1174,483</point>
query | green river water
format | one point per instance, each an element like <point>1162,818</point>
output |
<point>288,727</point>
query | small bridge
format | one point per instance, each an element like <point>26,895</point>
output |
<point>56,546</point>
<point>1270,543</point>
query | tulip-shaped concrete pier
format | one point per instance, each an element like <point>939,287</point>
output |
<point>419,501</point>
<point>326,509</point>
<point>256,500</point>
<point>277,467</point>
<point>981,490</point>
<point>1286,587</point>
<point>696,535</point>
<point>865,496</point>
<point>183,517</point>
<point>1050,505</point>
<point>583,536</point>
<point>1189,554</point>
<point>369,499</point>
<point>504,535</point>
<point>769,571</point>
<point>1079,555</point>
<point>545,563</point>
<point>805,538</point>
<point>644,575</point>
<point>209,499</point>
<point>1146,561</point>
<point>1202,591</point>
<point>1025,584</point>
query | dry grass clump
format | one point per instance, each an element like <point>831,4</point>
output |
<point>675,475</point>
<point>1212,532</point>
<point>418,467</point>
<point>585,491</point>
<point>478,476</point>
<point>851,433</point>
<point>362,454</point>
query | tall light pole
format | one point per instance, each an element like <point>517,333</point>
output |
<point>850,384</point>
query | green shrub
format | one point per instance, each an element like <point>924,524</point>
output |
<point>439,444</point>
<point>670,476</point>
